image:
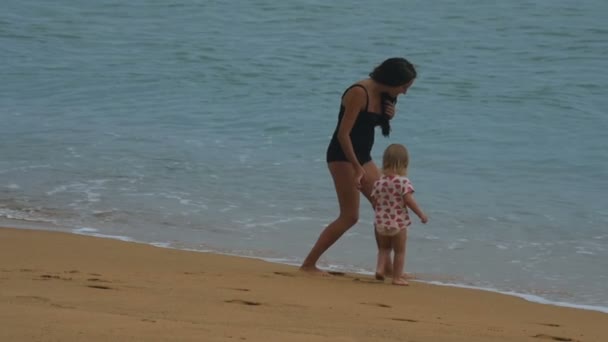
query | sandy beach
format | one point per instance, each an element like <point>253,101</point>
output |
<point>65,287</point>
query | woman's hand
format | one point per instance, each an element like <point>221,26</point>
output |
<point>389,108</point>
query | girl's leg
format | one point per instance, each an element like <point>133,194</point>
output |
<point>372,174</point>
<point>384,255</point>
<point>343,175</point>
<point>399,243</point>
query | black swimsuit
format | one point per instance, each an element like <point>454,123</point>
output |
<point>361,135</point>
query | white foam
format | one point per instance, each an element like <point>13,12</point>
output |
<point>84,230</point>
<point>25,168</point>
<point>73,152</point>
<point>58,189</point>
<point>161,244</point>
<point>454,246</point>
<point>86,188</point>
<point>228,208</point>
<point>528,297</point>
<point>23,216</point>
<point>91,232</point>
<point>13,186</point>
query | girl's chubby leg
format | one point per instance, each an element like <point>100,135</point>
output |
<point>343,175</point>
<point>399,245</point>
<point>372,174</point>
<point>384,256</point>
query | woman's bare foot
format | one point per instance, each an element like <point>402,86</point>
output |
<point>379,276</point>
<point>400,281</point>
<point>313,270</point>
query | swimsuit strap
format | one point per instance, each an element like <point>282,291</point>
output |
<point>366,94</point>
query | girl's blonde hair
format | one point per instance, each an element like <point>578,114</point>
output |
<point>395,159</point>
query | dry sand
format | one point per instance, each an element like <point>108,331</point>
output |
<point>65,287</point>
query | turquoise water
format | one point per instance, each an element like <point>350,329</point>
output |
<point>203,125</point>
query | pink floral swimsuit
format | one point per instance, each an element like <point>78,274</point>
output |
<point>391,212</point>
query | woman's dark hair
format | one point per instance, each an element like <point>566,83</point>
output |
<point>393,72</point>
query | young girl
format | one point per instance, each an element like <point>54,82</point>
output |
<point>392,195</point>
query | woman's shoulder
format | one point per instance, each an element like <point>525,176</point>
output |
<point>355,89</point>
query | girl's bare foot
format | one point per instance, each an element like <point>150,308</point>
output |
<point>379,276</point>
<point>400,281</point>
<point>313,270</point>
<point>406,276</point>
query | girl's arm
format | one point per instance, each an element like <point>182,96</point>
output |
<point>412,204</point>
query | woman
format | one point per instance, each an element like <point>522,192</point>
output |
<point>365,105</point>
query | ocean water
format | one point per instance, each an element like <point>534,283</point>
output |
<point>203,125</point>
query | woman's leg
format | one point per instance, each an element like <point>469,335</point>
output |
<point>399,243</point>
<point>343,175</point>
<point>372,174</point>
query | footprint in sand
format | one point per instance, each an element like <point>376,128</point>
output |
<point>96,279</point>
<point>368,281</point>
<point>288,274</point>
<point>33,299</point>
<point>49,276</point>
<point>284,274</point>
<point>404,320</point>
<point>377,304</point>
<point>100,287</point>
<point>555,338</point>
<point>99,280</point>
<point>237,289</point>
<point>241,301</point>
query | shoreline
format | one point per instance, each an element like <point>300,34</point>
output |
<point>92,232</point>
<point>54,284</point>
